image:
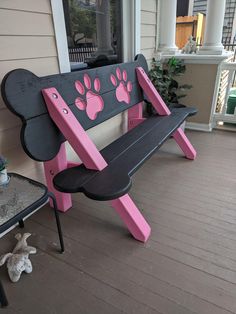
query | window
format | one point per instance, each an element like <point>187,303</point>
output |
<point>182,7</point>
<point>93,30</point>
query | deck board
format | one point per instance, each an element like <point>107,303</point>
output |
<point>188,265</point>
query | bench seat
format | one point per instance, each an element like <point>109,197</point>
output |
<point>124,156</point>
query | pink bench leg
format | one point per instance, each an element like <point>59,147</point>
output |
<point>135,116</point>
<point>132,217</point>
<point>51,168</point>
<point>158,103</point>
<point>183,142</point>
<point>92,159</point>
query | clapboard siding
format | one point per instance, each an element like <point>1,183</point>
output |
<point>199,6</point>
<point>148,17</point>
<point>36,24</point>
<point>10,139</point>
<point>26,47</point>
<point>148,53</point>
<point>39,66</point>
<point>42,6</point>
<point>148,42</point>
<point>148,28</point>
<point>27,40</point>
<point>8,120</point>
<point>149,5</point>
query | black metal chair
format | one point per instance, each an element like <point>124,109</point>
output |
<point>3,298</point>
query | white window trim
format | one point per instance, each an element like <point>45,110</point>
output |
<point>137,26</point>
<point>60,35</point>
<point>127,29</point>
<point>157,24</point>
<point>131,31</point>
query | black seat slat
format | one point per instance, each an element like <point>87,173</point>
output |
<point>124,157</point>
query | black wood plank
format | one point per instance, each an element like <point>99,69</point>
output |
<point>124,157</point>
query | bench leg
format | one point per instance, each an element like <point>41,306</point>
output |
<point>184,143</point>
<point>132,217</point>
<point>51,168</point>
<point>135,116</point>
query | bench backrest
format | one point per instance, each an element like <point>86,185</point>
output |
<point>93,95</point>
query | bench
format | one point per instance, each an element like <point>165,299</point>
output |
<point>61,107</point>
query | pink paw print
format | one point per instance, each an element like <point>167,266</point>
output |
<point>123,89</point>
<point>94,102</point>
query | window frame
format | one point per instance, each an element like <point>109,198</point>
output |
<point>131,32</point>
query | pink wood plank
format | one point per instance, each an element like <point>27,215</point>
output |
<point>72,130</point>
<point>184,144</point>
<point>151,92</point>
<point>135,115</point>
<point>130,214</point>
<point>162,109</point>
<point>134,122</point>
<point>51,168</point>
<point>91,157</point>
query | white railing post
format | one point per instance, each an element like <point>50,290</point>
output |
<point>223,115</point>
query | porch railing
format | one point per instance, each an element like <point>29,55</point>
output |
<point>79,54</point>
<point>231,47</point>
<point>227,82</point>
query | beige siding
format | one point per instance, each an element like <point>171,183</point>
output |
<point>25,23</point>
<point>26,47</point>
<point>41,6</point>
<point>148,28</point>
<point>27,41</point>
<point>201,93</point>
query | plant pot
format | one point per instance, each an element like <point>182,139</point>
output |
<point>3,177</point>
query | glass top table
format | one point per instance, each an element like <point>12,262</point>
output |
<point>20,197</point>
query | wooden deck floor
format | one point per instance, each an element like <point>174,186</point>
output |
<point>188,265</point>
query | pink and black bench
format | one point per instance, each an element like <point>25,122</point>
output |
<point>60,108</point>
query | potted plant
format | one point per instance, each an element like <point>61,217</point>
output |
<point>3,171</point>
<point>163,77</point>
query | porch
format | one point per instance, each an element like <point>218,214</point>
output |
<point>187,266</point>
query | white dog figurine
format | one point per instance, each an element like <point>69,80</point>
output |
<point>190,46</point>
<point>18,261</point>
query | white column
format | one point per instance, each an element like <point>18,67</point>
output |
<point>214,27</point>
<point>190,7</point>
<point>167,26</point>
